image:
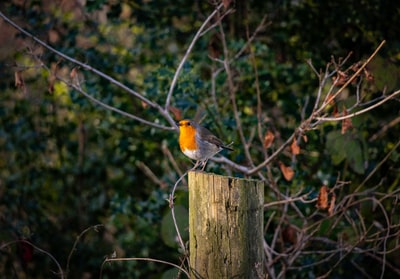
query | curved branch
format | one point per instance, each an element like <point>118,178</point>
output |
<point>143,259</point>
<point>272,157</point>
<point>356,74</point>
<point>61,273</point>
<point>78,238</point>
<point>188,51</point>
<point>104,105</point>
<point>351,115</point>
<point>163,112</point>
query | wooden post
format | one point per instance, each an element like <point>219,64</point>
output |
<point>226,227</point>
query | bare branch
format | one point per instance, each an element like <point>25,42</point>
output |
<point>188,51</point>
<point>351,115</point>
<point>356,74</point>
<point>163,112</point>
<point>232,95</point>
<point>142,259</point>
<point>60,271</point>
<point>78,238</point>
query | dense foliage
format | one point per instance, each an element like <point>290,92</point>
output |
<point>67,165</point>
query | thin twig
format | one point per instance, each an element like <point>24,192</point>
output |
<point>384,129</point>
<point>87,67</point>
<point>172,160</point>
<point>272,156</point>
<point>150,174</point>
<point>378,166</point>
<point>259,28</point>
<point>60,271</point>
<point>185,57</point>
<point>351,115</point>
<point>356,74</point>
<point>143,259</point>
<point>290,200</point>
<point>95,227</point>
<point>114,109</point>
<point>257,81</point>
<point>232,95</point>
<point>172,206</point>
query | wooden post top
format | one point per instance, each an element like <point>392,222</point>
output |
<point>226,226</point>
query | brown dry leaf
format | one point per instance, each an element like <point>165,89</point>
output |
<point>295,147</point>
<point>322,201</point>
<point>335,111</point>
<point>346,123</point>
<point>289,235</point>
<point>268,139</point>
<point>19,81</point>
<point>52,78</point>
<point>288,172</point>
<point>51,85</point>
<point>369,76</point>
<point>340,79</point>
<point>330,99</point>
<point>144,104</point>
<point>226,3</point>
<point>332,204</point>
<point>305,138</point>
<point>176,112</point>
<point>356,66</point>
<point>215,46</point>
<point>73,73</point>
<point>53,36</point>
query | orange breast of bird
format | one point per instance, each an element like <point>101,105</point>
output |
<point>187,136</point>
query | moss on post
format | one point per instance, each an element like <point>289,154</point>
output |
<point>226,226</point>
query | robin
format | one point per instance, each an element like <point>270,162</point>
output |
<point>198,143</point>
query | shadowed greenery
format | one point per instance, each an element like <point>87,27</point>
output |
<point>67,164</point>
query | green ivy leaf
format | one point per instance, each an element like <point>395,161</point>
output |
<point>346,147</point>
<point>334,145</point>
<point>170,274</point>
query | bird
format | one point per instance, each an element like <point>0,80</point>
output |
<point>198,143</point>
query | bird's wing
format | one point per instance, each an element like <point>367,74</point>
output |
<point>208,136</point>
